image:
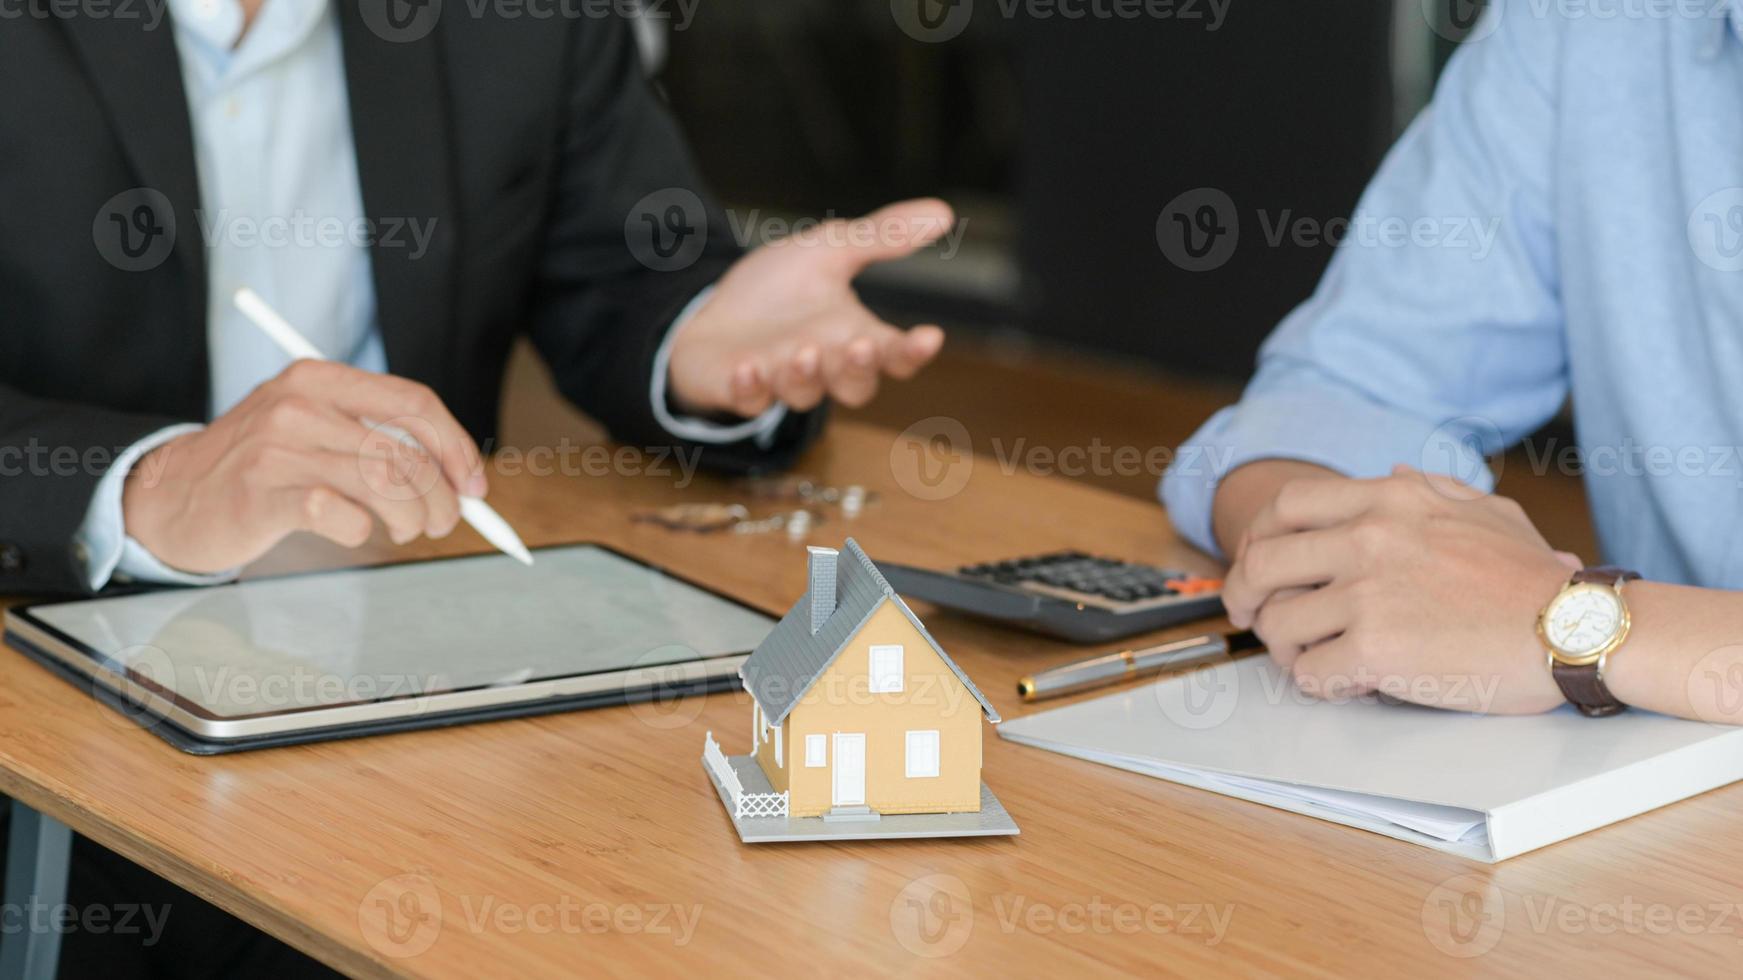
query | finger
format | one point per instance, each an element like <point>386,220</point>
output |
<point>395,490</point>
<point>799,382</point>
<point>441,509</point>
<point>1332,669</point>
<point>904,353</point>
<point>891,232</point>
<point>1571,560</point>
<point>394,469</point>
<point>1293,620</point>
<point>748,390</point>
<point>1308,504</point>
<point>299,422</point>
<point>1268,565</point>
<point>322,511</point>
<point>383,399</point>
<point>850,371</point>
<point>1346,667</point>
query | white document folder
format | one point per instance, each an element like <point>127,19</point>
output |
<point>1486,787</point>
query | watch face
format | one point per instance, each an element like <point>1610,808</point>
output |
<point>1583,620</point>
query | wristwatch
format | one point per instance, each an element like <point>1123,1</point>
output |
<point>1580,628</point>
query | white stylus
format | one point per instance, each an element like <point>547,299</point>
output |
<point>477,513</point>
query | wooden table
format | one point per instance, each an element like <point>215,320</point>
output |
<point>593,842</point>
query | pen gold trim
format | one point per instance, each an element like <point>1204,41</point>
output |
<point>1124,665</point>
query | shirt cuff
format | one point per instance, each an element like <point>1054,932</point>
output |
<point>1339,430</point>
<point>109,553</point>
<point>762,428</point>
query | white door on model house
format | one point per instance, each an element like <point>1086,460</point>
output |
<point>849,774</point>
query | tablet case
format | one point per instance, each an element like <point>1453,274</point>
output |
<point>196,745</point>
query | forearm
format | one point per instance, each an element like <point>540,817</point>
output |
<point>1683,655</point>
<point>1242,494</point>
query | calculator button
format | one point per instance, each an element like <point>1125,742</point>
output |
<point>1105,580</point>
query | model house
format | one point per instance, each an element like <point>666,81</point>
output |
<point>857,709</point>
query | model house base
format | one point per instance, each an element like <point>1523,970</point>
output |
<point>861,726</point>
<point>748,798</point>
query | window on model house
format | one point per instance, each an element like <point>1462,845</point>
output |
<point>816,752</point>
<point>886,669</point>
<point>922,754</point>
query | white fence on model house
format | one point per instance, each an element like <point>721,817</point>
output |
<point>761,805</point>
<point>743,804</point>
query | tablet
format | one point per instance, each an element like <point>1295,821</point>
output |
<point>393,647</point>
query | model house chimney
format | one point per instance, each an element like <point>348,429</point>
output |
<point>822,586</point>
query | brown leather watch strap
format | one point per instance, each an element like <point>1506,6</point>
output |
<point>1584,684</point>
<point>1604,575</point>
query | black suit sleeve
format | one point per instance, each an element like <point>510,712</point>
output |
<point>52,454</point>
<point>632,237</point>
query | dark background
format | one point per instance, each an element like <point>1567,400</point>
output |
<point>1061,142</point>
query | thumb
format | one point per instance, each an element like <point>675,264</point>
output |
<point>893,231</point>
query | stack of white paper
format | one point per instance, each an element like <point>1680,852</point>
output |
<point>1487,787</point>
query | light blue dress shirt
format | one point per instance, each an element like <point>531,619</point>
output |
<point>281,211</point>
<point>1602,151</point>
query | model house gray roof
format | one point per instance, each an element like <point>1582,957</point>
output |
<point>792,657</point>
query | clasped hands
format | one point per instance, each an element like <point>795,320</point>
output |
<point>1412,585</point>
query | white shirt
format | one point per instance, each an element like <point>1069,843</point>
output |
<point>282,213</point>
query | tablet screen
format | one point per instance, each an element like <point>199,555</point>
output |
<point>325,639</point>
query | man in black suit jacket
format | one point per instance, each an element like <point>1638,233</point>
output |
<point>524,147</point>
<point>555,198</point>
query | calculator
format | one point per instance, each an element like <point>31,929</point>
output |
<point>1068,594</point>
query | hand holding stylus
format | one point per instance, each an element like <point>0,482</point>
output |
<point>299,454</point>
<point>473,510</point>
